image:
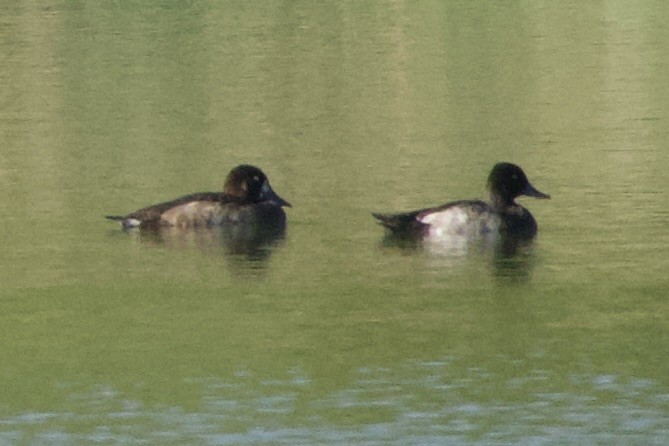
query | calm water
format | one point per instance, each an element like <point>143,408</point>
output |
<point>332,337</point>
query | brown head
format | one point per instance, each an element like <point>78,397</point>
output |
<point>248,183</point>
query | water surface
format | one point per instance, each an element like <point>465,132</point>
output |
<point>331,336</point>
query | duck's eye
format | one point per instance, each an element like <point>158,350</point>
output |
<point>514,177</point>
<point>256,178</point>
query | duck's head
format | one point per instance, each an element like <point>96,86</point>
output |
<point>250,184</point>
<point>508,181</point>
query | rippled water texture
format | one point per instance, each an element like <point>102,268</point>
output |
<point>332,335</point>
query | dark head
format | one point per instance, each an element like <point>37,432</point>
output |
<point>507,181</point>
<point>250,183</point>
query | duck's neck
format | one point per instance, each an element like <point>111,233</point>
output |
<point>500,203</point>
<point>505,205</point>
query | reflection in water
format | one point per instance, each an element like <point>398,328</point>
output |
<point>510,257</point>
<point>244,245</point>
<point>514,259</point>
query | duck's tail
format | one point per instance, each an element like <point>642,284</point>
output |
<point>126,222</point>
<point>400,224</point>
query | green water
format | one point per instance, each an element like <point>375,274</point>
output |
<point>332,337</point>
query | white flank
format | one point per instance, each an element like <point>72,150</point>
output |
<point>453,230</point>
<point>131,223</point>
<point>447,223</point>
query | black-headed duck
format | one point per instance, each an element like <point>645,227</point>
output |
<point>459,223</point>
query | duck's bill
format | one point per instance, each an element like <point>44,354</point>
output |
<point>270,195</point>
<point>530,191</point>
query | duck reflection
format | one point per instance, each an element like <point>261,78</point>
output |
<point>250,243</point>
<point>514,258</point>
<point>508,256</point>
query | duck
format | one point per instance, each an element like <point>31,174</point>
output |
<point>247,199</point>
<point>463,222</point>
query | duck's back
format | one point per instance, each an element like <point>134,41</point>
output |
<point>189,210</point>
